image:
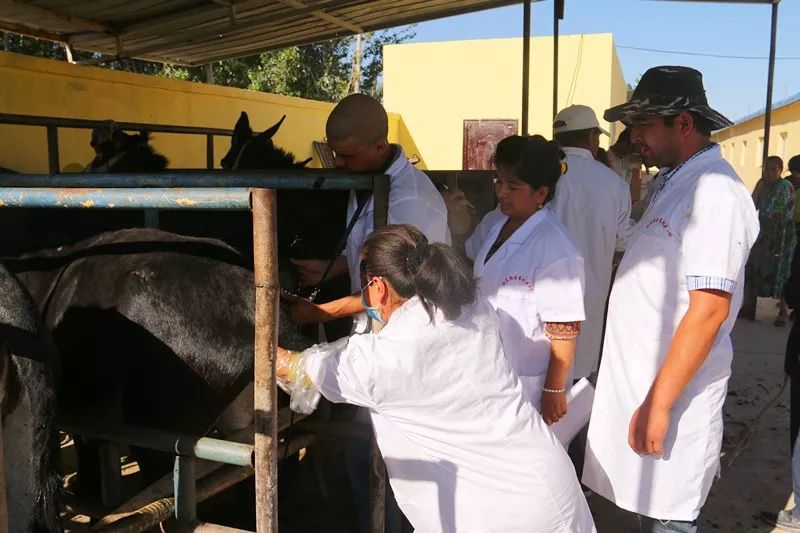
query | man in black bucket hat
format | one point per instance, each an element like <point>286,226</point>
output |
<point>656,429</point>
<point>668,91</point>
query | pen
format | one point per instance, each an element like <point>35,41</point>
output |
<point>471,208</point>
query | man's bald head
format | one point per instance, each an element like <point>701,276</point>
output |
<point>358,116</point>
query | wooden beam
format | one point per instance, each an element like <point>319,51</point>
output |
<point>198,35</point>
<point>40,13</point>
<point>21,29</point>
<point>322,15</point>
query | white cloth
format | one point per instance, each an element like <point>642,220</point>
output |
<point>595,206</point>
<point>413,199</point>
<point>623,166</point>
<point>464,451</point>
<point>535,277</point>
<point>703,223</point>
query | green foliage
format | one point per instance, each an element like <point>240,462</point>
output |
<point>319,71</point>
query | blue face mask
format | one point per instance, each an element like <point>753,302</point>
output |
<point>372,312</point>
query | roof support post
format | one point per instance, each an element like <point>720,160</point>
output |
<point>770,78</point>
<point>526,63</point>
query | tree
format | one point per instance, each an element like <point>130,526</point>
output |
<point>327,70</point>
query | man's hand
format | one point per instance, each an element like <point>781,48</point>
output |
<point>554,406</point>
<point>648,428</point>
<point>310,270</point>
<point>455,200</point>
<point>305,312</point>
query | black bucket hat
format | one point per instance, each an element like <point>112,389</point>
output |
<point>668,91</point>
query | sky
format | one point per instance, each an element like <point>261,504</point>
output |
<point>735,87</point>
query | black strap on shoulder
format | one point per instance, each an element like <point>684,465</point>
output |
<point>361,203</point>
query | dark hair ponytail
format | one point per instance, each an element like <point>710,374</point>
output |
<point>433,272</point>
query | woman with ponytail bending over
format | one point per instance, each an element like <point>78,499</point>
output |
<point>464,449</point>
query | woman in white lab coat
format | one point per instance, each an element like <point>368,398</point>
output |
<point>465,451</point>
<point>531,271</point>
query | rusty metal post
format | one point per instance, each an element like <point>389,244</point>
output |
<point>210,151</point>
<point>770,77</point>
<point>556,18</point>
<point>266,334</point>
<point>526,63</point>
<point>53,165</point>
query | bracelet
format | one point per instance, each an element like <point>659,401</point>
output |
<point>554,391</point>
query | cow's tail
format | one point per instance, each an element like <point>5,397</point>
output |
<point>29,419</point>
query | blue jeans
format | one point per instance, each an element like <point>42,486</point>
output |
<point>654,525</point>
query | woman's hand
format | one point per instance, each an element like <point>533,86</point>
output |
<point>305,312</point>
<point>554,406</point>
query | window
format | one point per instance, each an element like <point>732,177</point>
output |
<point>743,154</point>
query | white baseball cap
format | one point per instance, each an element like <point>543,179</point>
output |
<point>576,118</point>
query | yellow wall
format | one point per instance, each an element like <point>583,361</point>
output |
<point>742,143</point>
<point>436,86</point>
<point>34,86</point>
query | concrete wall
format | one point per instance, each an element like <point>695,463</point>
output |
<point>35,86</point>
<point>436,86</point>
<point>742,143</point>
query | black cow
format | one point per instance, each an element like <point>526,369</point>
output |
<point>156,328</point>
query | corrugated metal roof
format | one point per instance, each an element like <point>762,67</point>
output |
<point>196,32</point>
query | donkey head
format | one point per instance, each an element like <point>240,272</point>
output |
<point>257,151</point>
<point>117,151</point>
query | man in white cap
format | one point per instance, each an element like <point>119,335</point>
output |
<point>594,203</point>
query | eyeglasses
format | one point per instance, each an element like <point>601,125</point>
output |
<point>367,285</point>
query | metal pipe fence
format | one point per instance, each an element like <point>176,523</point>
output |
<point>202,190</point>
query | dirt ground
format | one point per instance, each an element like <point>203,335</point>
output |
<point>759,479</point>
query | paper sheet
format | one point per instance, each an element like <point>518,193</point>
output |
<point>579,408</point>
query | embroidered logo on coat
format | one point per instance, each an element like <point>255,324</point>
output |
<point>515,279</point>
<point>663,224</point>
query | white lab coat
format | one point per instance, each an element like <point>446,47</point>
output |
<point>703,223</point>
<point>464,451</point>
<point>413,199</point>
<point>595,206</point>
<point>535,277</point>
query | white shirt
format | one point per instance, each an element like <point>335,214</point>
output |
<point>595,206</point>
<point>702,224</point>
<point>413,199</point>
<point>464,451</point>
<point>536,276</point>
